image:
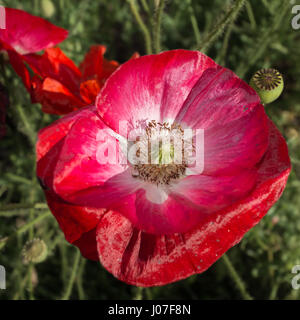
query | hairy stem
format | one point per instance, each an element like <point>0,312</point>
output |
<point>194,21</point>
<point>24,228</point>
<point>157,25</point>
<point>70,284</point>
<point>143,27</point>
<point>228,18</point>
<point>236,278</point>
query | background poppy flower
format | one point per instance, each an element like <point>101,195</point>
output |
<point>154,225</point>
<point>62,87</point>
<point>25,34</point>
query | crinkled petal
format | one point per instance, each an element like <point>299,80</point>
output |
<point>151,87</point>
<point>219,97</point>
<point>143,259</point>
<point>235,146</point>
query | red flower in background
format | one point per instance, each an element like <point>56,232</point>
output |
<point>62,87</point>
<point>4,103</point>
<point>152,224</point>
<point>25,34</point>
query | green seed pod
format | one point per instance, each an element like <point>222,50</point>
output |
<point>34,251</point>
<point>48,8</point>
<point>268,83</point>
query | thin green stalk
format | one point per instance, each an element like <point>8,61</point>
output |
<point>236,278</point>
<point>223,52</point>
<point>139,293</point>
<point>145,6</point>
<point>228,18</point>
<point>27,130</point>
<point>70,284</point>
<point>251,15</point>
<point>24,228</point>
<point>256,52</point>
<point>143,27</point>
<point>81,293</point>
<point>157,25</point>
<point>194,21</point>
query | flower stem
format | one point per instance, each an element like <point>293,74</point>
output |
<point>27,130</point>
<point>139,293</point>
<point>143,27</point>
<point>157,25</point>
<point>228,18</point>
<point>194,21</point>
<point>70,284</point>
<point>236,278</point>
<point>24,228</point>
<point>256,52</point>
<point>251,15</point>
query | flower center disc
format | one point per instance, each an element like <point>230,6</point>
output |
<point>161,153</point>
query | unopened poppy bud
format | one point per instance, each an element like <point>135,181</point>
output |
<point>34,251</point>
<point>268,83</point>
<point>48,8</point>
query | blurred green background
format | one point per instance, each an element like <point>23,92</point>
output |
<point>261,36</point>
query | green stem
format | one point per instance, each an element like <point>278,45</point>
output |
<point>236,278</point>
<point>70,284</point>
<point>251,15</point>
<point>157,25</point>
<point>143,27</point>
<point>27,130</point>
<point>194,21</point>
<point>223,52</point>
<point>228,18</point>
<point>139,293</point>
<point>80,289</point>
<point>256,52</point>
<point>145,6</point>
<point>24,228</point>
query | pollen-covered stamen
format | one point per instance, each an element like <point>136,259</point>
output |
<point>267,79</point>
<point>163,146</point>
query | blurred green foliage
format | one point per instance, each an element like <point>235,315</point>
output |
<point>261,36</point>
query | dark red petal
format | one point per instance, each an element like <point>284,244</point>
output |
<point>142,259</point>
<point>17,62</point>
<point>54,64</point>
<point>88,245</point>
<point>27,33</point>
<point>74,220</point>
<point>54,97</point>
<point>93,62</point>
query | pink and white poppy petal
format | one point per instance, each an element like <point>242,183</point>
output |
<point>213,193</point>
<point>27,33</point>
<point>235,146</point>
<point>52,134</point>
<point>88,157</point>
<point>151,87</point>
<point>219,97</point>
<point>142,259</point>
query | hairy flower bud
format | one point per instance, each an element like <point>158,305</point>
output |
<point>34,251</point>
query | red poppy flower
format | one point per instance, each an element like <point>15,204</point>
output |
<point>4,102</point>
<point>62,87</point>
<point>25,34</point>
<point>152,223</point>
